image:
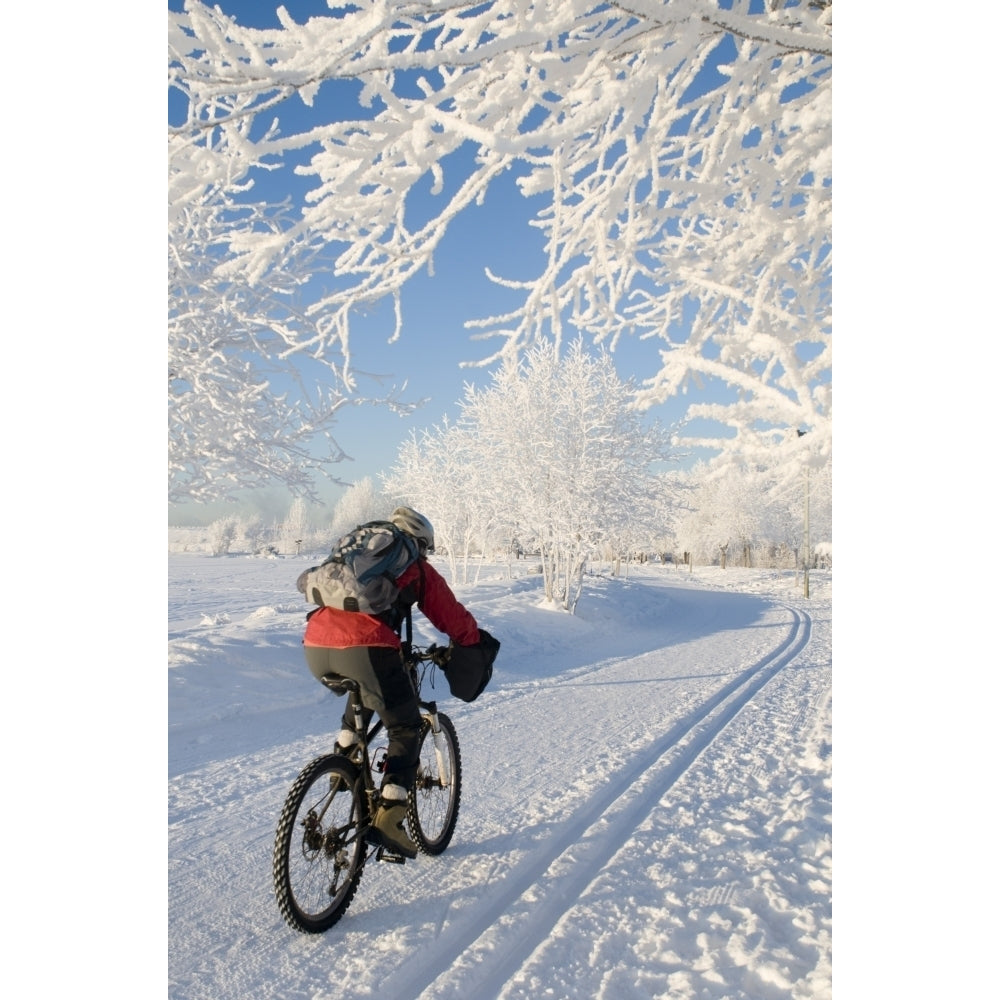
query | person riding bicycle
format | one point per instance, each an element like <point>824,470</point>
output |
<point>367,649</point>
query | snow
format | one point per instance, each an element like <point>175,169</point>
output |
<point>646,806</point>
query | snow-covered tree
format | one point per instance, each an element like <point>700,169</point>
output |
<point>679,152</point>
<point>738,513</point>
<point>222,532</point>
<point>251,533</point>
<point>551,454</point>
<point>438,473</point>
<point>672,503</point>
<point>360,503</point>
<point>726,517</point>
<point>243,410</point>
<point>294,528</point>
<point>785,512</point>
<point>230,427</point>
<point>564,455</point>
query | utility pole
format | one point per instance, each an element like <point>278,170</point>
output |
<point>807,555</point>
<point>808,547</point>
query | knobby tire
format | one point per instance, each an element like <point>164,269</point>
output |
<point>433,802</point>
<point>319,855</point>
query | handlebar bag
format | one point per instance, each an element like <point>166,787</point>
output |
<point>470,668</point>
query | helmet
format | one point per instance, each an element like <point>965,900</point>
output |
<point>408,520</point>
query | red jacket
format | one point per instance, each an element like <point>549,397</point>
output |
<point>338,629</point>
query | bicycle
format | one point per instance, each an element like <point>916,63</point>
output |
<point>324,836</point>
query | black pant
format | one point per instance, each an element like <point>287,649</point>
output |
<point>386,689</point>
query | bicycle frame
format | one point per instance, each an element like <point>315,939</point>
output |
<point>324,836</point>
<point>361,752</point>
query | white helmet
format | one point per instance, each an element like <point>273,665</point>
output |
<point>408,520</point>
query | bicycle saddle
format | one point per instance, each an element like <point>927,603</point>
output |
<point>339,684</point>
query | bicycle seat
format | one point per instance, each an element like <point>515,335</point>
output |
<point>339,684</point>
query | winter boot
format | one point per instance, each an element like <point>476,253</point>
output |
<point>388,822</point>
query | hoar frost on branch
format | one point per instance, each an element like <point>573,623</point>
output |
<point>551,454</point>
<point>745,515</point>
<point>682,148</point>
<point>241,415</point>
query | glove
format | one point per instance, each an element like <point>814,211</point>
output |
<point>470,668</point>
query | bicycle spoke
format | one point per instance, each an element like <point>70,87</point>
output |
<point>318,854</point>
<point>435,797</point>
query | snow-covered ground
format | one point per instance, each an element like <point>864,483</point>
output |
<point>646,809</point>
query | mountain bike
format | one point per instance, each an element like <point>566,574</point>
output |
<point>324,836</point>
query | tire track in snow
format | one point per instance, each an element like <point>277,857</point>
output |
<point>482,953</point>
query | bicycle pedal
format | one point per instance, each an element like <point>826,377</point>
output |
<point>384,854</point>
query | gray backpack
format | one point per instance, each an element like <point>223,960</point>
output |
<point>361,571</point>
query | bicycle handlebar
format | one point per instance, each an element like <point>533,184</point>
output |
<point>434,653</point>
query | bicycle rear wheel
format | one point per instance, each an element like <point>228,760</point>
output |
<point>319,855</point>
<point>434,799</point>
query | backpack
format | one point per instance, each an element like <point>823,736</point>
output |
<point>360,572</point>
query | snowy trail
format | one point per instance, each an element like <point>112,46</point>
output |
<point>572,861</point>
<point>645,806</point>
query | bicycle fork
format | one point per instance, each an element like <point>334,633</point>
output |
<point>440,746</point>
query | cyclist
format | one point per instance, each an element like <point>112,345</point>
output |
<point>367,649</point>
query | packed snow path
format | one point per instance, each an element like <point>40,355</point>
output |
<point>646,805</point>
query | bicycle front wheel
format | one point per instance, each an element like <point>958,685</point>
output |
<point>319,854</point>
<point>434,799</point>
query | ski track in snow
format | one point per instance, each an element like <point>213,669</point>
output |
<point>568,862</point>
<point>620,848</point>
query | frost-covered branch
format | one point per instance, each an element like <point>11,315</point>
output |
<point>550,456</point>
<point>239,416</point>
<point>682,151</point>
